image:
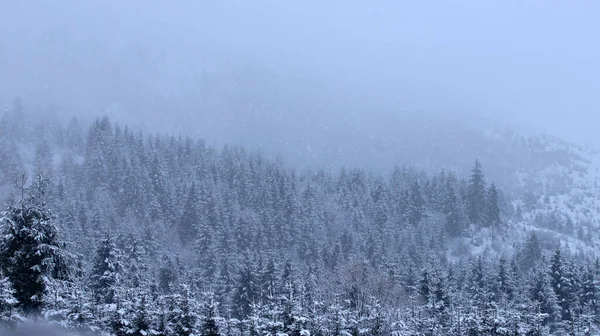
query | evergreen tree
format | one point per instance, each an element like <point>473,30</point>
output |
<point>209,323</point>
<point>560,284</point>
<point>119,323</point>
<point>167,275</point>
<point>106,269</point>
<point>191,217</point>
<point>245,292</point>
<point>416,205</point>
<point>7,301</point>
<point>454,224</point>
<point>531,253</point>
<point>183,316</point>
<point>425,287</point>
<point>544,298</point>
<point>141,323</point>
<point>589,293</point>
<point>476,195</point>
<point>505,287</point>
<point>492,214</point>
<point>30,250</point>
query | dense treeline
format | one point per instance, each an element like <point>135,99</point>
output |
<point>127,234</point>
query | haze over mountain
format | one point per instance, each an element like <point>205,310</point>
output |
<point>310,80</point>
<point>326,168</point>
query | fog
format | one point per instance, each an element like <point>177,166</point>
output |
<point>275,73</point>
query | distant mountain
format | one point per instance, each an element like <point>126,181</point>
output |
<point>173,212</point>
<point>546,179</point>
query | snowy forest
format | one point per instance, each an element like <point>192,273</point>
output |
<point>111,231</point>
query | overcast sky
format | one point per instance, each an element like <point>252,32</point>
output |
<point>535,62</point>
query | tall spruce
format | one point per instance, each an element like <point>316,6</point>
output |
<point>106,271</point>
<point>30,250</point>
<point>476,195</point>
<point>190,218</point>
<point>209,325</point>
<point>492,213</point>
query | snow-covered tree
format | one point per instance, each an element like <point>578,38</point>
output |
<point>106,271</point>
<point>476,195</point>
<point>30,250</point>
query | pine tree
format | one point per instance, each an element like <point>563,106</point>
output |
<point>191,217</point>
<point>119,323</point>
<point>141,323</point>
<point>7,301</point>
<point>441,298</point>
<point>225,285</point>
<point>560,284</point>
<point>476,195</point>
<point>245,292</point>
<point>454,224</point>
<point>183,316</point>
<point>416,205</point>
<point>544,298</point>
<point>209,325</point>
<point>492,214</point>
<point>531,253</point>
<point>505,287</point>
<point>479,286</point>
<point>425,287</point>
<point>106,269</point>
<point>30,252</point>
<point>590,292</point>
<point>167,275</point>
<point>268,281</point>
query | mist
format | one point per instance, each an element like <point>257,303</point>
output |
<point>304,77</point>
<point>263,167</point>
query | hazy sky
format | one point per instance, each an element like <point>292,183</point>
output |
<point>535,62</point>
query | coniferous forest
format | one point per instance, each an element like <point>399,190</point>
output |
<point>111,231</point>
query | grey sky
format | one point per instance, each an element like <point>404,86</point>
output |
<point>534,62</point>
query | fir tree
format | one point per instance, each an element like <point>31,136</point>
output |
<point>531,253</point>
<point>183,322</point>
<point>245,292</point>
<point>416,205</point>
<point>544,298</point>
<point>7,301</point>
<point>190,219</point>
<point>559,279</point>
<point>476,195</point>
<point>29,247</point>
<point>589,293</point>
<point>209,325</point>
<point>454,224</point>
<point>106,269</point>
<point>141,323</point>
<point>492,214</point>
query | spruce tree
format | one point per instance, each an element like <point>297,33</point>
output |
<point>30,251</point>
<point>454,224</point>
<point>245,292</point>
<point>425,287</point>
<point>531,253</point>
<point>7,301</point>
<point>416,205</point>
<point>183,317</point>
<point>590,295</point>
<point>141,323</point>
<point>209,325</point>
<point>492,214</point>
<point>559,279</point>
<point>106,271</point>
<point>544,298</point>
<point>476,195</point>
<point>190,219</point>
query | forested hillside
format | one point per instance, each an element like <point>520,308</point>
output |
<point>119,232</point>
